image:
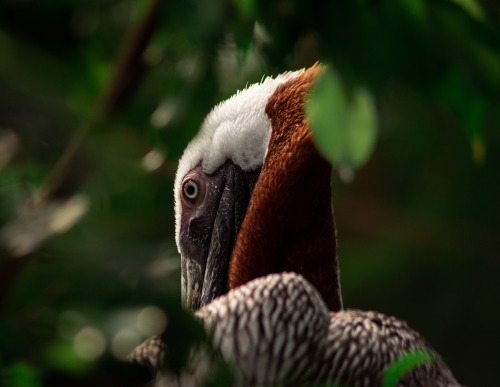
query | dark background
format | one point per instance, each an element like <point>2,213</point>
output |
<point>89,88</point>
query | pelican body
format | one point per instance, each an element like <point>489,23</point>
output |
<point>256,234</point>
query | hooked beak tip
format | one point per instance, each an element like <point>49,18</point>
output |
<point>191,281</point>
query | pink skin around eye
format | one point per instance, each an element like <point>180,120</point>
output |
<point>197,176</point>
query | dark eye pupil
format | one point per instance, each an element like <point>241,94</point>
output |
<point>190,190</point>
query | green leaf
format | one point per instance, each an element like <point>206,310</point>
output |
<point>344,126</point>
<point>246,8</point>
<point>416,8</point>
<point>472,7</point>
<point>468,106</point>
<point>60,355</point>
<point>405,364</point>
<point>23,375</point>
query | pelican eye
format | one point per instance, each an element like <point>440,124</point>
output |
<point>191,190</point>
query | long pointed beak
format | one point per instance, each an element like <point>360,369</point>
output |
<point>208,238</point>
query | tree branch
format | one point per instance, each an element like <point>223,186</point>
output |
<point>126,77</point>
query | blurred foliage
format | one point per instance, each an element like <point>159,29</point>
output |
<point>344,127</point>
<point>405,364</point>
<point>99,98</point>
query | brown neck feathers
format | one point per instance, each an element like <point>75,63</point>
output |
<point>289,225</point>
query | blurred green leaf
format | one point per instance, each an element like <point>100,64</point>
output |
<point>246,8</point>
<point>469,107</point>
<point>417,8</point>
<point>60,355</point>
<point>23,375</point>
<point>405,364</point>
<point>182,335</point>
<point>344,125</point>
<point>472,7</point>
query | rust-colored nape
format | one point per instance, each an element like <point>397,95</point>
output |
<point>289,224</point>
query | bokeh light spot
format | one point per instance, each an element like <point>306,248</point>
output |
<point>151,321</point>
<point>153,160</point>
<point>89,343</point>
<point>163,114</point>
<point>124,342</point>
<point>64,217</point>
<point>9,143</point>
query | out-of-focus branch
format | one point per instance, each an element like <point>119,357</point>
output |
<point>129,66</point>
<point>125,78</point>
<point>128,71</point>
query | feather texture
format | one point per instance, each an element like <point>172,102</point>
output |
<point>277,330</point>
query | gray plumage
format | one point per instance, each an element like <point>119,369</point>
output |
<point>276,330</point>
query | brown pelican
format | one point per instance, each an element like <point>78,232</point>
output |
<point>256,233</point>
